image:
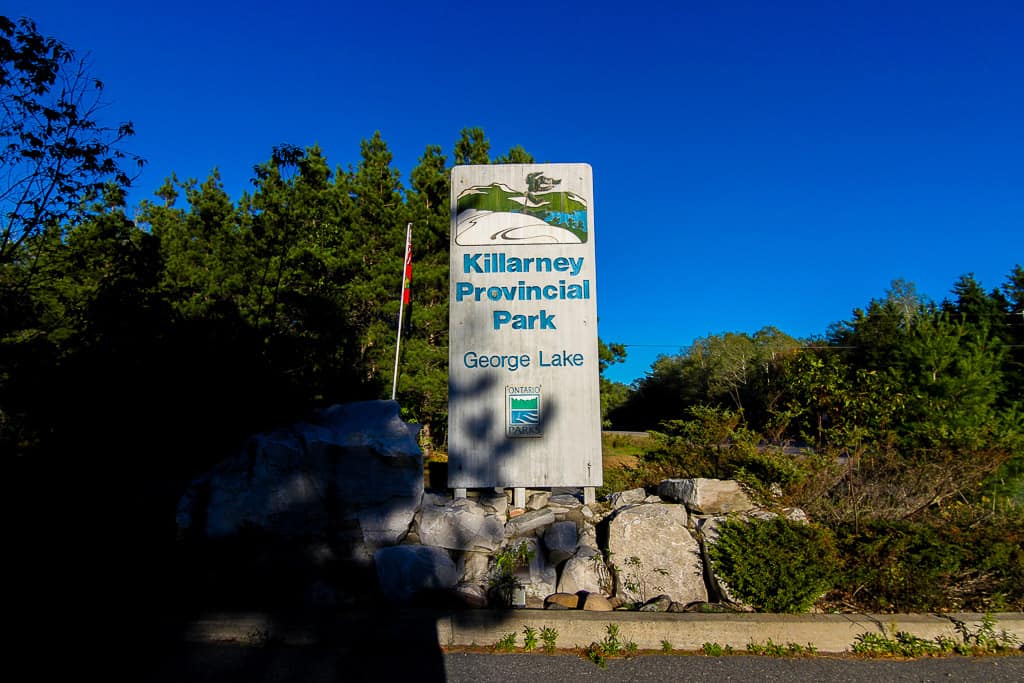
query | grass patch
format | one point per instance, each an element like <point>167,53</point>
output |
<point>772,649</point>
<point>984,640</point>
<point>612,646</point>
<point>716,650</point>
<point>624,461</point>
<point>623,449</point>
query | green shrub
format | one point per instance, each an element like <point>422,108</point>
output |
<point>759,469</point>
<point>715,443</point>
<point>898,566</point>
<point>502,580</point>
<point>712,442</point>
<point>507,643</point>
<point>991,546</point>
<point>549,635</point>
<point>611,646</point>
<point>775,565</point>
<point>529,638</point>
<point>962,560</point>
<point>621,478</point>
<point>716,649</point>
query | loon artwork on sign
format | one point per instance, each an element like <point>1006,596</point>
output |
<point>539,213</point>
<point>524,405</point>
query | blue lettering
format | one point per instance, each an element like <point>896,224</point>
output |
<point>520,321</point>
<point>561,359</point>
<point>474,360</point>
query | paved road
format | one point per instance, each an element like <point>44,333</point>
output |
<point>283,664</point>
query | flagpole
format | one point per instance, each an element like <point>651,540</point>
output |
<point>401,305</point>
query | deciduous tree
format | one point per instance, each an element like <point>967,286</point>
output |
<point>54,150</point>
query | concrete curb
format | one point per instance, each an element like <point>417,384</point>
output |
<point>829,633</point>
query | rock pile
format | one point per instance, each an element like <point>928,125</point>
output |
<point>650,552</point>
<point>348,487</point>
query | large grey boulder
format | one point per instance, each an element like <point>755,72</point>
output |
<point>706,496</point>
<point>470,595</point>
<point>560,541</point>
<point>353,476</point>
<point>585,571</point>
<point>652,552</point>
<point>538,500</point>
<point>539,577</point>
<point>709,527</point>
<point>496,502</point>
<point>628,497</point>
<point>461,524</point>
<point>564,500</point>
<point>473,568</point>
<point>405,571</point>
<point>587,534</point>
<point>528,523</point>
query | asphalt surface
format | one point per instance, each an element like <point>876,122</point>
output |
<point>226,663</point>
<point>428,645</point>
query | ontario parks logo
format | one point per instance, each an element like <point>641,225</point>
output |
<point>523,411</point>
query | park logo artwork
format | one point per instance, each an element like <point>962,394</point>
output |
<point>523,414</point>
<point>538,212</point>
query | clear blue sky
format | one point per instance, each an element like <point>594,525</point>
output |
<point>755,163</point>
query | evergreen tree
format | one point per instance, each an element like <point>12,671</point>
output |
<point>372,253</point>
<point>423,378</point>
<point>472,147</point>
<point>951,372</point>
<point>1013,292</point>
<point>871,338</point>
<point>515,155</point>
<point>978,308</point>
<point>199,246</point>
<point>613,394</point>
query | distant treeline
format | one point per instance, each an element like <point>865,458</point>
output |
<point>925,386</point>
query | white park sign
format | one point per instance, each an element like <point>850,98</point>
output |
<point>524,404</point>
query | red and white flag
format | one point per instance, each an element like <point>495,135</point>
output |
<point>407,276</point>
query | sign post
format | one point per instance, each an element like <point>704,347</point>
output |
<point>524,403</point>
